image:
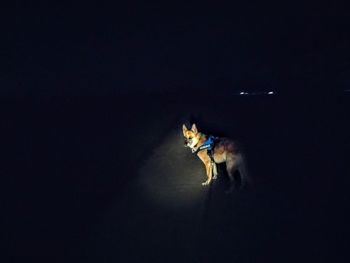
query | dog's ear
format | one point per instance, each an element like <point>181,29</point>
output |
<point>184,129</point>
<point>194,128</point>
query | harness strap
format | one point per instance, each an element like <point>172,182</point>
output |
<point>207,145</point>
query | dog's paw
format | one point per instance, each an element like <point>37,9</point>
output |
<point>206,183</point>
<point>215,177</point>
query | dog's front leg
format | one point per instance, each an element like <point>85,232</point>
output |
<point>209,171</point>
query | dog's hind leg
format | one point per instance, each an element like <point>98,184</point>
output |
<point>244,175</point>
<point>231,167</point>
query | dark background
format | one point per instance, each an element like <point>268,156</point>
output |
<point>92,103</point>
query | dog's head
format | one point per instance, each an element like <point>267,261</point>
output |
<point>192,136</point>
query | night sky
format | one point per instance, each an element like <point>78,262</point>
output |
<point>93,50</point>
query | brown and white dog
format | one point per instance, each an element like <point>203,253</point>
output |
<point>224,151</point>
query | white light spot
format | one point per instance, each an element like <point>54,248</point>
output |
<point>270,93</point>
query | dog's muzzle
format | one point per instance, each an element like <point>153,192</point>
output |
<point>187,142</point>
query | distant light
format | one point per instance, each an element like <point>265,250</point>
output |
<point>270,93</point>
<point>243,93</point>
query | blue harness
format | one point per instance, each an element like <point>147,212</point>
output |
<point>207,145</point>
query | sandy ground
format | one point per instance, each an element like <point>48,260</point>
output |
<point>108,180</point>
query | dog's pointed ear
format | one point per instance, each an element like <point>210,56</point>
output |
<point>184,129</point>
<point>194,128</point>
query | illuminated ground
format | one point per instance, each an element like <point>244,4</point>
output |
<point>113,187</point>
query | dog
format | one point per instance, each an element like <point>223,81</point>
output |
<point>223,150</point>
